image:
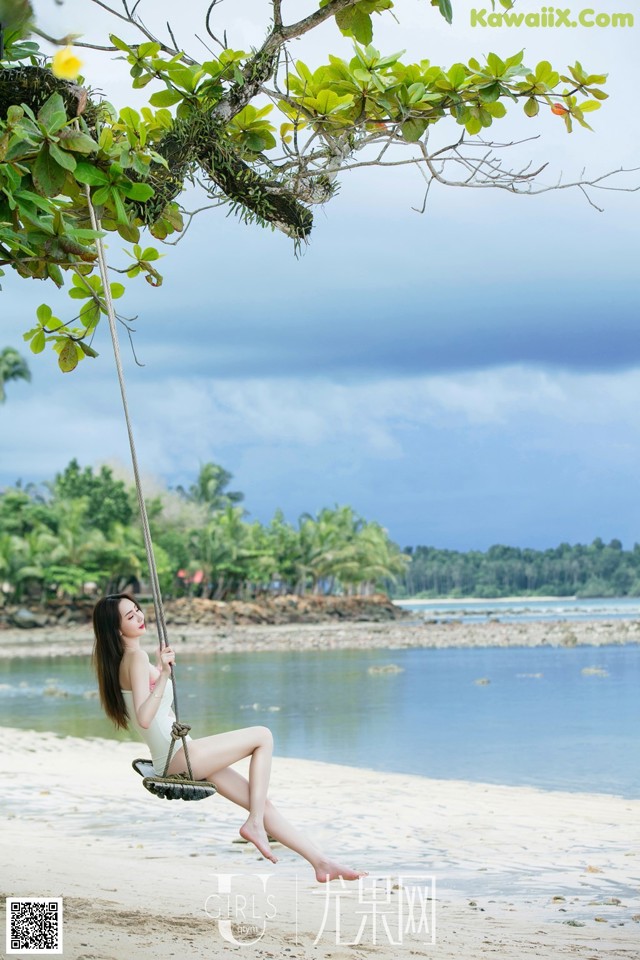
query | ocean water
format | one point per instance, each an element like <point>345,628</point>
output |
<point>565,718</point>
<point>525,610</point>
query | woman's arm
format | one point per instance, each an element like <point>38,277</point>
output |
<point>145,703</point>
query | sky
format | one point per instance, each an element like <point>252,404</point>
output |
<point>466,376</point>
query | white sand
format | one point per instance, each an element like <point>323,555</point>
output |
<point>134,872</point>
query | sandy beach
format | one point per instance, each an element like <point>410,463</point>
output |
<point>77,640</point>
<point>519,872</point>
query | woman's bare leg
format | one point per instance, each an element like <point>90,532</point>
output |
<point>253,829</point>
<point>234,787</point>
<point>208,755</point>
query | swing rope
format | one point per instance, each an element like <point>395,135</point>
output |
<point>179,730</point>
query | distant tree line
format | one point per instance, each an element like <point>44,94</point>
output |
<point>79,534</point>
<point>596,570</point>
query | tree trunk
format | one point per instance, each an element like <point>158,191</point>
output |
<point>197,141</point>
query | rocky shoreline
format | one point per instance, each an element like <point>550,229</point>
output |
<point>76,640</point>
<point>194,611</point>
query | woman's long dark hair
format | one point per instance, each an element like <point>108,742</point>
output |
<point>108,650</point>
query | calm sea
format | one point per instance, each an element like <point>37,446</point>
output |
<point>565,608</point>
<point>566,718</point>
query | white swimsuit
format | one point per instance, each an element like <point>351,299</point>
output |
<point>157,735</point>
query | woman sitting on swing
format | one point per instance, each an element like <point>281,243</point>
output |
<point>132,689</point>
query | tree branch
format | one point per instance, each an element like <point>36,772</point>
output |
<point>313,20</point>
<point>207,24</point>
<point>63,41</point>
<point>261,66</point>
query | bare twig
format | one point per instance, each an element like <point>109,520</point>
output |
<point>131,17</point>
<point>63,41</point>
<point>191,215</point>
<point>207,25</point>
<point>173,39</point>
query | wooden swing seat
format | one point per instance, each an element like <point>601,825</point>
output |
<point>178,786</point>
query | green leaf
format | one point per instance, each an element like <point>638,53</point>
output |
<point>457,74</point>
<point>62,157</point>
<point>117,291</point>
<point>138,191</point>
<point>121,213</point>
<point>141,81</point>
<point>598,94</point>
<point>90,314</point>
<point>149,49</point>
<point>78,142</point>
<point>130,117</point>
<point>87,350</point>
<point>589,105</point>
<point>473,125</point>
<point>140,163</point>
<point>52,113</point>
<point>68,359</point>
<point>159,230</point>
<point>495,64</point>
<point>90,174</point>
<point>79,293</point>
<point>129,232</point>
<point>48,176</point>
<point>183,76</point>
<point>165,98</point>
<point>55,273</point>
<point>120,44</point>
<point>516,59</point>
<point>532,107</point>
<point>546,74</point>
<point>185,109</point>
<point>497,109</point>
<point>85,234</point>
<point>102,195</point>
<point>412,130</point>
<point>356,23</point>
<point>364,76</point>
<point>445,9</point>
<point>14,115</point>
<point>490,93</point>
<point>38,342</point>
<point>43,313</point>
<point>304,72</point>
<point>327,100</point>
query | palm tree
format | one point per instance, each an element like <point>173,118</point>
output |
<point>285,546</point>
<point>75,558</point>
<point>12,367</point>
<point>210,488</point>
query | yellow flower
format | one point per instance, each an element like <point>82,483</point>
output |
<point>65,64</point>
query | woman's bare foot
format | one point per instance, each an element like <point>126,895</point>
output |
<point>330,870</point>
<point>254,832</point>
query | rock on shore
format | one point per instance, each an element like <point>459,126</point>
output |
<point>195,611</point>
<point>233,637</point>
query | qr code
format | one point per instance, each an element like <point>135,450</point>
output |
<point>34,925</point>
